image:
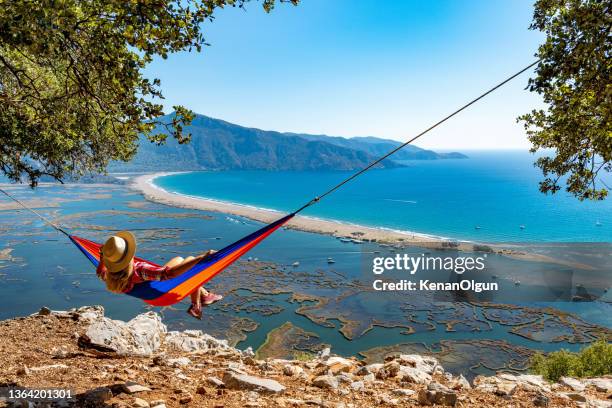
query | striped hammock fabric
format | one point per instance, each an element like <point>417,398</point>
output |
<point>171,291</point>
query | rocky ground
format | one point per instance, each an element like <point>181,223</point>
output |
<point>108,363</point>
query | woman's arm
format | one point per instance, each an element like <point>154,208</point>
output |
<point>185,266</point>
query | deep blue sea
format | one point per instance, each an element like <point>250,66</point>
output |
<point>487,197</point>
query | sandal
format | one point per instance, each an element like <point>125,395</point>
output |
<point>195,311</point>
<point>211,298</point>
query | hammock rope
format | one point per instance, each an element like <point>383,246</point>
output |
<point>42,217</point>
<point>171,291</point>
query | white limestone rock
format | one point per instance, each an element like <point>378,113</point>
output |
<point>141,336</point>
<point>325,382</point>
<point>237,381</point>
<point>413,375</point>
<point>194,341</point>
<point>574,384</point>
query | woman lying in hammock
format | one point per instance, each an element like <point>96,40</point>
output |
<point>120,271</point>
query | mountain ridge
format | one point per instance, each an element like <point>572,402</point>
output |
<point>217,144</point>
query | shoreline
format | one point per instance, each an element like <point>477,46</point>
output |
<point>146,186</point>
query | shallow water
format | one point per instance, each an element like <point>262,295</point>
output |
<point>43,268</point>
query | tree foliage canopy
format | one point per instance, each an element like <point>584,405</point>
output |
<point>72,91</point>
<point>574,79</point>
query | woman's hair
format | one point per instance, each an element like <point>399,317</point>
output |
<point>119,281</point>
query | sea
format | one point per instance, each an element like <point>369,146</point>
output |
<point>493,196</point>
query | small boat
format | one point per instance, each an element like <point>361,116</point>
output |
<point>517,283</point>
<point>345,240</point>
<point>356,241</point>
<point>522,227</point>
<point>494,277</point>
<point>477,227</point>
<point>330,260</point>
<point>295,264</point>
<point>598,224</point>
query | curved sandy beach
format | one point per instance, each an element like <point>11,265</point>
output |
<point>145,185</point>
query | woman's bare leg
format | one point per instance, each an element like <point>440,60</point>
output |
<point>195,298</point>
<point>177,260</point>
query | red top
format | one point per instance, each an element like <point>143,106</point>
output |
<point>143,271</point>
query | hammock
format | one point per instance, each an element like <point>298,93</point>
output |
<point>168,292</point>
<point>171,291</point>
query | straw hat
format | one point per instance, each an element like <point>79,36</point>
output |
<point>118,251</point>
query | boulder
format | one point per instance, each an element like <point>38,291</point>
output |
<point>460,383</point>
<point>422,363</point>
<point>413,375</point>
<point>44,311</point>
<point>214,381</point>
<point>325,382</point>
<point>386,400</point>
<point>97,395</point>
<point>370,369</point>
<point>339,365</point>
<point>194,341</point>
<point>292,370</point>
<point>185,398</point>
<point>541,400</point>
<point>140,403</point>
<point>574,396</point>
<point>574,384</point>
<point>503,383</point>
<point>600,384</point>
<point>531,382</point>
<point>131,387</point>
<point>505,388</point>
<point>337,359</point>
<point>344,378</point>
<point>238,381</point>
<point>392,368</point>
<point>141,336</point>
<point>597,403</point>
<point>178,362</point>
<point>87,313</point>
<point>324,354</point>
<point>437,394</point>
<point>403,392</point>
<point>357,386</point>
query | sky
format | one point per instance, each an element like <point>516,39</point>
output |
<point>364,68</point>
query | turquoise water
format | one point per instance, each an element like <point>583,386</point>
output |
<point>487,197</point>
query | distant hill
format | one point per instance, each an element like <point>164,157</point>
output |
<point>378,147</point>
<point>220,145</point>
